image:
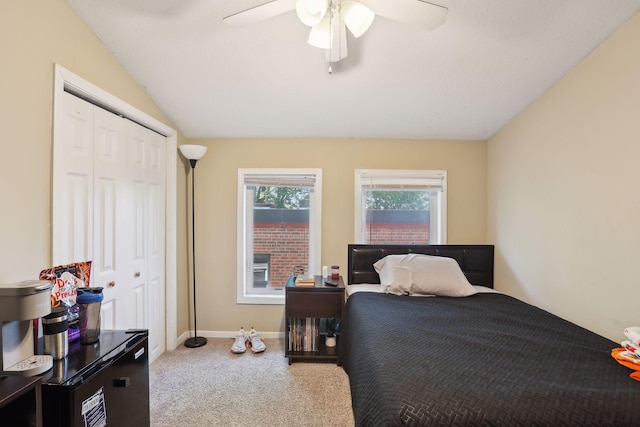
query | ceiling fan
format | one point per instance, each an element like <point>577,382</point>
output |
<point>329,18</point>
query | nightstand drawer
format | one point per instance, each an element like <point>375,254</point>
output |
<point>314,304</point>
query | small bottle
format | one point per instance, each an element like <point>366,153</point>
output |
<point>325,272</point>
<point>335,272</point>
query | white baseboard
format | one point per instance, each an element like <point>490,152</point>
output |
<point>226,334</point>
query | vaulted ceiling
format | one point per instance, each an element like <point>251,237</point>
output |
<point>464,80</point>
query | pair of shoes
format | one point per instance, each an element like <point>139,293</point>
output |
<point>239,346</point>
<point>257,346</point>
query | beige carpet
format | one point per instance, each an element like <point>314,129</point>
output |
<point>210,386</point>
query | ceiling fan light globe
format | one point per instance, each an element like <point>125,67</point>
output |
<point>321,35</point>
<point>311,12</point>
<point>357,17</point>
<point>316,6</point>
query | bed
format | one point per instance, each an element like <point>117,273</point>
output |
<point>484,359</point>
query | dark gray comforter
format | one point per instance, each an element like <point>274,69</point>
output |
<point>487,359</point>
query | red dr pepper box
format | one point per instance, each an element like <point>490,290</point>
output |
<point>66,280</point>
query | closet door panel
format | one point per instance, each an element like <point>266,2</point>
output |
<point>138,259</point>
<point>107,315</point>
<point>140,302</point>
<point>72,194</point>
<point>151,168</point>
<point>111,203</point>
<point>137,144</point>
<point>157,301</point>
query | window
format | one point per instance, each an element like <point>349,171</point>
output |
<point>278,229</point>
<point>401,206</point>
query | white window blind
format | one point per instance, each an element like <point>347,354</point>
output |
<point>402,184</point>
<point>288,181</point>
<point>390,180</point>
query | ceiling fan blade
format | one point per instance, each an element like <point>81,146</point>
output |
<point>260,13</point>
<point>338,49</point>
<point>417,12</point>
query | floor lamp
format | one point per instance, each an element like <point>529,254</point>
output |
<point>193,153</point>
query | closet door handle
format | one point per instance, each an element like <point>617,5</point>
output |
<point>136,274</point>
<point>111,284</point>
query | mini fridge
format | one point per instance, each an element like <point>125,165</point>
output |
<point>100,384</point>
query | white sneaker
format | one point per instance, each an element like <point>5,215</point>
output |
<point>257,346</point>
<point>239,345</point>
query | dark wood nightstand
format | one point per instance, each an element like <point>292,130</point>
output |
<point>305,306</point>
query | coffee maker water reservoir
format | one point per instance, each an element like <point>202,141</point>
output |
<point>20,304</point>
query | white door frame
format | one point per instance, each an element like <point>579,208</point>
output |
<point>65,79</point>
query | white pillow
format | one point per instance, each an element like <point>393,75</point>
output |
<point>401,283</point>
<point>385,269</point>
<point>436,275</point>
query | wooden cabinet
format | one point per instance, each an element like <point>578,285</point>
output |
<point>20,401</point>
<point>305,307</point>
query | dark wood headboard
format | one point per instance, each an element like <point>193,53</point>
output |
<point>476,261</point>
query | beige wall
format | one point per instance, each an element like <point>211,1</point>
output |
<point>563,198</point>
<point>33,36</point>
<point>216,187</point>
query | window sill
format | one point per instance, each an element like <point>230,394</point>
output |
<point>261,299</point>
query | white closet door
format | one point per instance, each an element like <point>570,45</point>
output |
<point>147,152</point>
<point>109,207</point>
<point>156,250</point>
<point>112,203</point>
<point>72,194</point>
<point>138,242</point>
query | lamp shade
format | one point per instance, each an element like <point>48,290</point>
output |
<point>357,17</point>
<point>193,152</point>
<point>321,35</point>
<point>311,12</point>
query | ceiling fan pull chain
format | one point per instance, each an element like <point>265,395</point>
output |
<point>340,28</point>
<point>330,70</point>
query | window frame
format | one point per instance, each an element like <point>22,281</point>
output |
<point>243,263</point>
<point>410,177</point>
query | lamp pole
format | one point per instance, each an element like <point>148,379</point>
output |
<point>193,153</point>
